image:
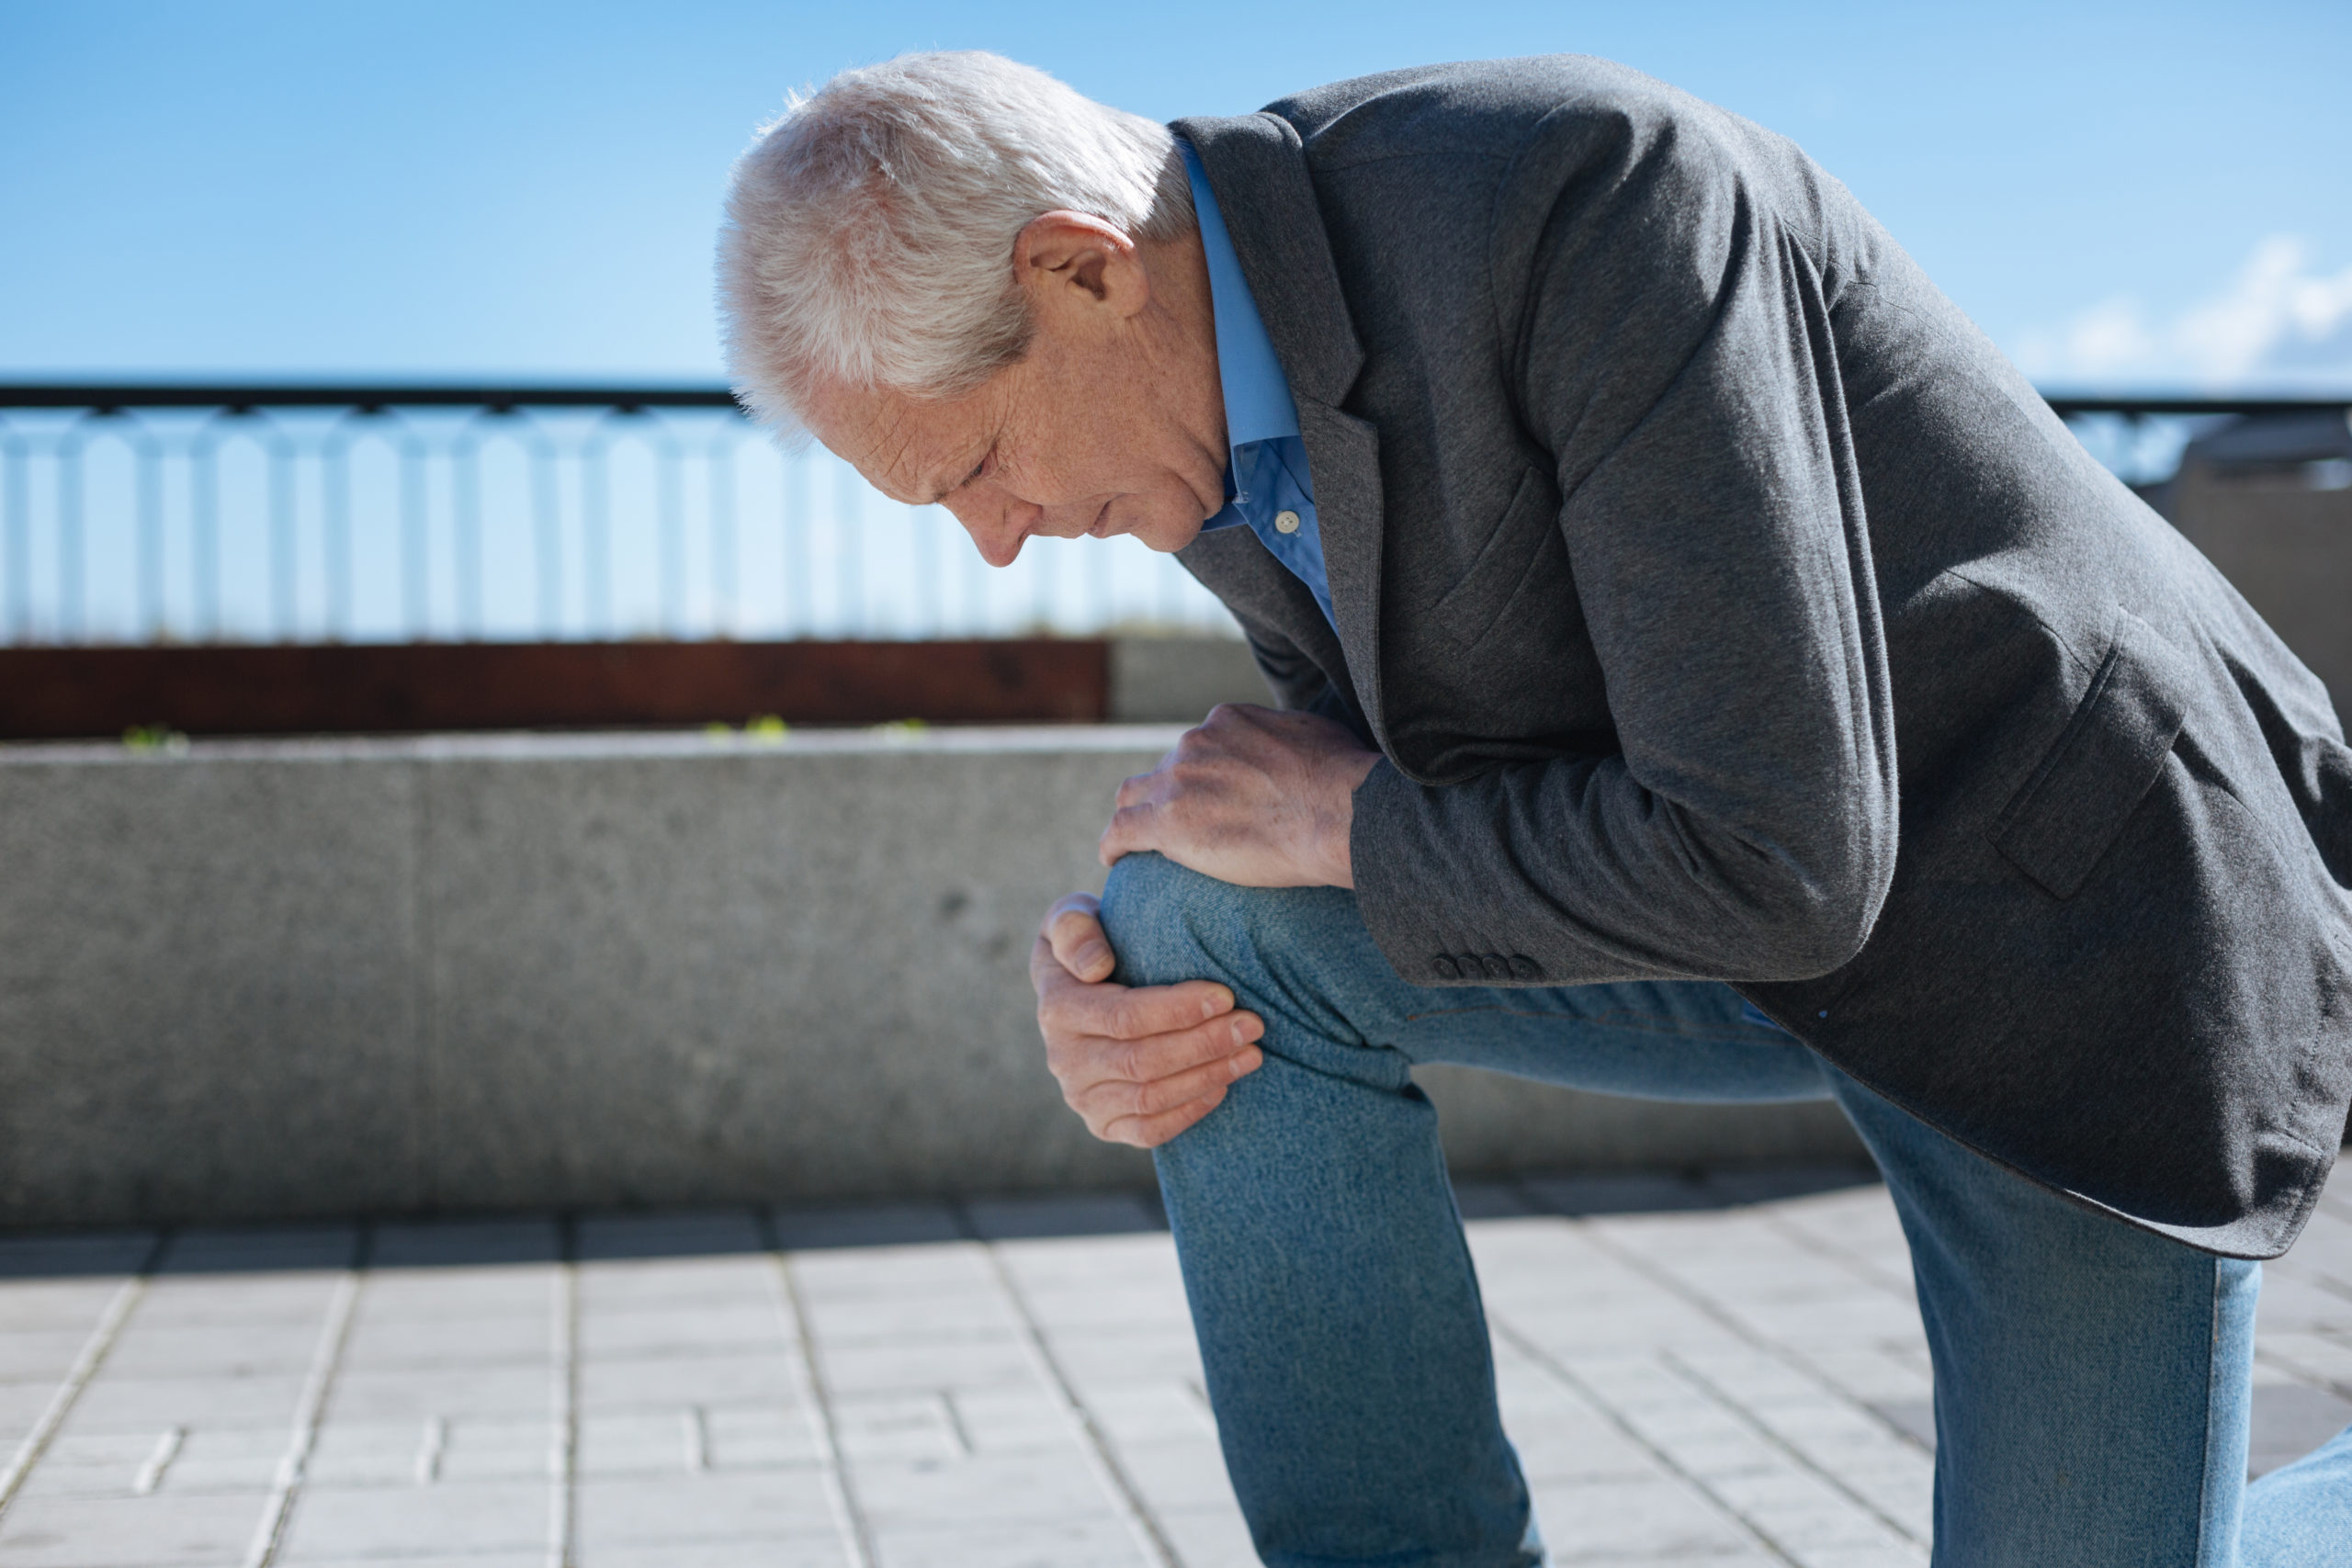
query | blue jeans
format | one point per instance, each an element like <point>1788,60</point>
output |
<point>2092,1379</point>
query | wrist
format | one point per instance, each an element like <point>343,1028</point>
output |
<point>1349,772</point>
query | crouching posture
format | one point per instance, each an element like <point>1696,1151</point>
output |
<point>1706,669</point>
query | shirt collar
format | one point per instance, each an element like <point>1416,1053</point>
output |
<point>1258,404</point>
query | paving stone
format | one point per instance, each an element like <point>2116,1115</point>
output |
<point>1082,1543</point>
<point>39,1355</point>
<point>892,1274</point>
<point>1621,1521</point>
<point>667,1442</point>
<point>2291,1420</point>
<point>684,1329</point>
<point>236,1300</point>
<point>670,1382</point>
<point>923,1426</point>
<point>674,1283</point>
<point>494,1449</point>
<point>1169,1410</point>
<point>981,1489</point>
<point>759,1438</point>
<point>959,1306</point>
<point>37,1304</point>
<point>1178,1475</point>
<point>1675,1383</point>
<point>1209,1538</point>
<point>151,1405</point>
<point>437,1559</point>
<point>149,1348</point>
<point>2321,1358</point>
<point>2292,1300</point>
<point>1010,1419</point>
<point>1099,1359</point>
<point>340,1521</point>
<point>159,1531</point>
<point>431,1294</point>
<point>390,1453</point>
<point>773,1551</point>
<point>420,1393</point>
<point>613,1511</point>
<point>381,1342</point>
<point>216,1460</point>
<point>923,1365</point>
<point>1581,1448</point>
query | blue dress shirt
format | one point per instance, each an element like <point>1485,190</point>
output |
<point>1266,487</point>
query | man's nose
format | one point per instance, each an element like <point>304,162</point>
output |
<point>996,524</point>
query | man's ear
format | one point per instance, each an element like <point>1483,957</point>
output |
<point>1076,261</point>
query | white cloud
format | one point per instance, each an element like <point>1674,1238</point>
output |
<point>2278,322</point>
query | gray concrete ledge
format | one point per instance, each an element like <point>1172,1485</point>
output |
<point>278,979</point>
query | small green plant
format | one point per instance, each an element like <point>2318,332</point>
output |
<point>155,737</point>
<point>766,730</point>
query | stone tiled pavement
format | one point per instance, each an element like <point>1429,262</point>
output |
<point>1725,1372</point>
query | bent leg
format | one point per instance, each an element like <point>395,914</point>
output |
<point>1330,1286</point>
<point>2093,1380</point>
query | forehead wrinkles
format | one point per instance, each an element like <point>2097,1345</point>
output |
<point>893,446</point>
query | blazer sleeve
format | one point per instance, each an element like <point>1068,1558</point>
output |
<point>1674,358</point>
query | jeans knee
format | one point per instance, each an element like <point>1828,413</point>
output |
<point>1168,924</point>
<point>1157,913</point>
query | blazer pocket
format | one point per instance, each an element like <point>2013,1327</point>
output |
<point>1465,611</point>
<point>2067,813</point>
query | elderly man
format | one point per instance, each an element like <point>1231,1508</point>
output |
<point>1706,670</point>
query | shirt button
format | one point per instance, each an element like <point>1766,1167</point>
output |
<point>1285,522</point>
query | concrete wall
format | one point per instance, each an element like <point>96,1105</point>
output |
<point>2286,544</point>
<point>276,979</point>
<point>1176,680</point>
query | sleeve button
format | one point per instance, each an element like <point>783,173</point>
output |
<point>1525,969</point>
<point>1445,967</point>
<point>1497,966</point>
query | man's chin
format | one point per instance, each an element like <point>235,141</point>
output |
<point>1168,534</point>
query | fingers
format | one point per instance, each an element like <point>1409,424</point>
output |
<point>1111,1100</point>
<point>1140,1063</point>
<point>1130,832</point>
<point>1150,1131</point>
<point>1074,931</point>
<point>1084,1061</point>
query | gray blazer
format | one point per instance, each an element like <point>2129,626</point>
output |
<point>1725,606</point>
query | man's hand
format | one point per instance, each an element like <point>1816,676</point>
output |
<point>1253,796</point>
<point>1140,1063</point>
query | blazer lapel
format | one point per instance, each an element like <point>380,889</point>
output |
<point>1258,169</point>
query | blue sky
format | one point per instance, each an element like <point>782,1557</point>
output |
<point>2139,195</point>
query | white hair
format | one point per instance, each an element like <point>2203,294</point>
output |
<point>870,228</point>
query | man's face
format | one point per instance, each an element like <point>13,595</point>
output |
<point>1113,422</point>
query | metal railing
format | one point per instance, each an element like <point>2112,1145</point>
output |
<point>355,513</point>
<point>318,513</point>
